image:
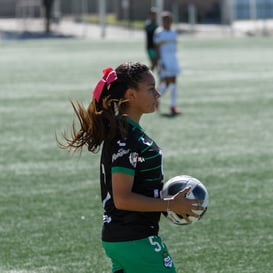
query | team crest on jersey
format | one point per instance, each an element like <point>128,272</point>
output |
<point>167,260</point>
<point>133,158</point>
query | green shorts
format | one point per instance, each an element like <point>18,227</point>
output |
<point>145,256</point>
<point>151,53</point>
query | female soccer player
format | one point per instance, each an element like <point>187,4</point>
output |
<point>131,175</point>
<point>165,39</point>
<point>150,27</point>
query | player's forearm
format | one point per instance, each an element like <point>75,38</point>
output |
<point>138,202</point>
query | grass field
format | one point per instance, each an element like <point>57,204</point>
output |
<point>50,208</point>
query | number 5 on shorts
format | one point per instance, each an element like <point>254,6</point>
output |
<point>157,243</point>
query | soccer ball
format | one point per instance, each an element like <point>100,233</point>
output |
<point>198,191</point>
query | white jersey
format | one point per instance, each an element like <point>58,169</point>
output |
<point>168,62</point>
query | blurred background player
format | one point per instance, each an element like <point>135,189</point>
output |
<point>48,5</point>
<point>165,39</point>
<point>150,27</point>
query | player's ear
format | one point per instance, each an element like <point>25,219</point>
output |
<point>130,94</point>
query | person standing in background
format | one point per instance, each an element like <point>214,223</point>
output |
<point>48,5</point>
<point>150,27</point>
<point>165,39</point>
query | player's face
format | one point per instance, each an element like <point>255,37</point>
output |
<point>167,22</point>
<point>153,16</point>
<point>145,98</point>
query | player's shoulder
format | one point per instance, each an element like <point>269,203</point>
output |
<point>159,34</point>
<point>174,31</point>
<point>159,29</point>
<point>147,23</point>
<point>128,142</point>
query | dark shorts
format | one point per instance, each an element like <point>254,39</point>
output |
<point>151,53</point>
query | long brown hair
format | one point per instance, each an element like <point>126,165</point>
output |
<point>105,118</point>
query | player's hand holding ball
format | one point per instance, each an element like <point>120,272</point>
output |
<point>187,199</point>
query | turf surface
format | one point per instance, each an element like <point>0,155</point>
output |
<point>50,206</point>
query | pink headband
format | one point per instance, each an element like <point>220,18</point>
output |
<point>109,76</point>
